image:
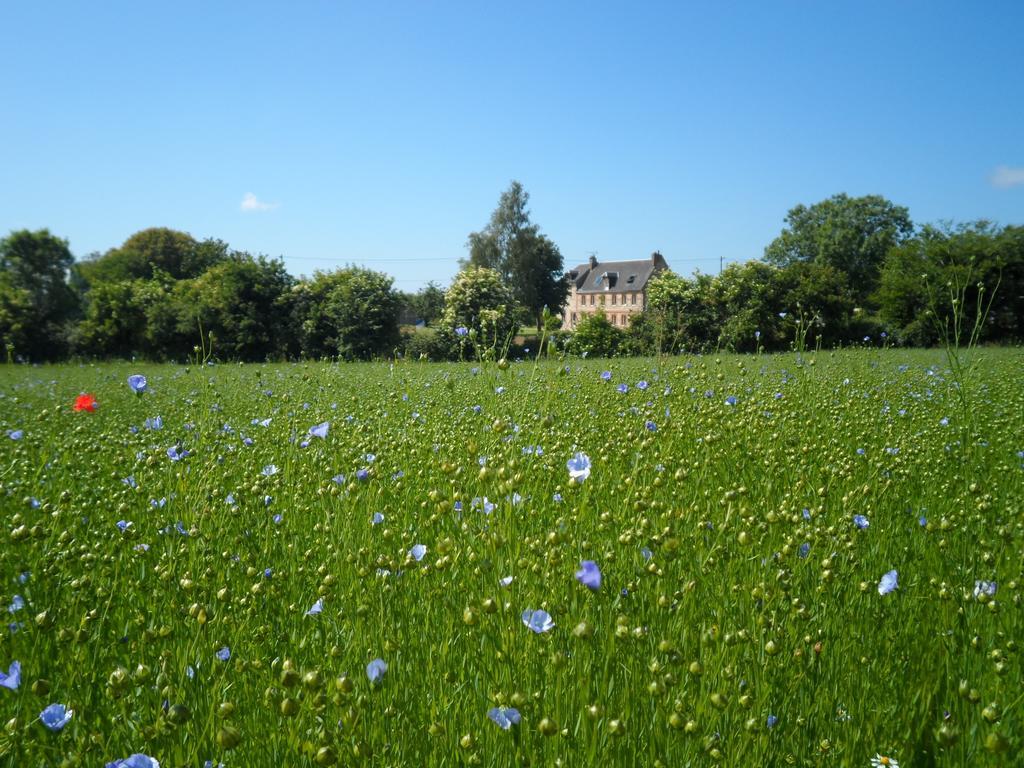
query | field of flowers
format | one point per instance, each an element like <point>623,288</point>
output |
<point>735,561</point>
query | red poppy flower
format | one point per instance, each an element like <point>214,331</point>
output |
<point>85,403</point>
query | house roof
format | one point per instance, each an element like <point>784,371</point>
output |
<point>615,276</point>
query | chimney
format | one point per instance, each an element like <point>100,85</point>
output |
<point>593,261</point>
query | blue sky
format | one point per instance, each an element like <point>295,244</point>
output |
<point>383,133</point>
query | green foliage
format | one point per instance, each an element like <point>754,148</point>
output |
<point>595,336</point>
<point>36,303</point>
<point>748,297</point>
<point>681,315</point>
<point>852,234</point>
<point>242,302</point>
<point>480,301</point>
<point>426,304</point>
<point>154,251</point>
<point>915,295</point>
<point>427,344</point>
<point>526,260</point>
<point>351,312</point>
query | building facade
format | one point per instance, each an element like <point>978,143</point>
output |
<point>617,287</point>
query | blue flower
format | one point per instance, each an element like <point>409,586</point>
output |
<point>772,720</point>
<point>377,519</point>
<point>320,430</point>
<point>12,679</point>
<point>278,518</point>
<point>268,573</point>
<point>180,528</point>
<point>861,522</point>
<point>651,426</point>
<point>270,470</point>
<point>623,388</point>
<point>362,474</point>
<point>730,400</point>
<point>504,717</point>
<point>224,653</point>
<point>537,621</point>
<point>579,467</point>
<point>17,603</point>
<point>806,514</point>
<point>375,670</point>
<point>138,760</point>
<point>984,588</point>
<point>124,525</point>
<point>16,434</point>
<point>888,582</point>
<point>606,375</point>
<point>589,575</point>
<point>557,498</point>
<point>138,383</point>
<point>56,716</point>
<point>174,453</point>
<point>646,553</point>
<point>805,548</point>
<point>130,481</point>
<point>318,606</point>
<point>461,330</point>
<point>339,479</point>
<point>641,385</point>
<point>418,552</point>
<point>154,423</point>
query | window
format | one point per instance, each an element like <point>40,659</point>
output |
<point>602,300</point>
<point>613,299</point>
<point>632,299</point>
<point>591,299</point>
<point>574,318</point>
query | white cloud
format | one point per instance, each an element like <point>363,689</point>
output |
<point>1005,177</point>
<point>251,203</point>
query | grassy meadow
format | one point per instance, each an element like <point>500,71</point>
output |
<point>813,562</point>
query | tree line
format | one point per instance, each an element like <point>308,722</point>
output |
<point>844,270</point>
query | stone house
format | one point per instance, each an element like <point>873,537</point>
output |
<point>618,287</point>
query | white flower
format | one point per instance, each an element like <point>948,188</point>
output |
<point>881,761</point>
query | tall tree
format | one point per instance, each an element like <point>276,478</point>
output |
<point>529,262</point>
<point>852,234</point>
<point>36,303</point>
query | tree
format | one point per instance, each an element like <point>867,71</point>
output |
<point>427,304</point>
<point>975,263</point>
<point>142,255</point>
<point>748,299</point>
<point>852,234</point>
<point>241,301</point>
<point>36,303</point>
<point>681,314</point>
<point>595,336</point>
<point>529,262</point>
<point>352,312</point>
<point>480,301</point>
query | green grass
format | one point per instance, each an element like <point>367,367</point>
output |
<point>678,659</point>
